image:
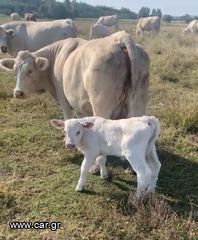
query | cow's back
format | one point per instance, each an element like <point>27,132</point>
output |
<point>94,70</point>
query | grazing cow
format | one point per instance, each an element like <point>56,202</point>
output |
<point>17,36</point>
<point>192,27</point>
<point>30,17</point>
<point>133,138</point>
<point>109,21</point>
<point>105,77</point>
<point>15,17</point>
<point>99,31</point>
<point>148,24</point>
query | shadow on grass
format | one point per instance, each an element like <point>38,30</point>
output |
<point>178,180</point>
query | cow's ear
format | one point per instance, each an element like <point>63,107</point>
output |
<point>7,64</point>
<point>42,63</point>
<point>58,124</point>
<point>87,124</point>
<point>10,33</point>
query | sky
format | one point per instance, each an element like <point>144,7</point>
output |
<point>172,7</point>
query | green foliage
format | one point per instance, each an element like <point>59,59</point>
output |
<point>144,12</point>
<point>167,18</point>
<point>54,9</point>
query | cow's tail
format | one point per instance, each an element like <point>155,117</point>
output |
<point>154,123</point>
<point>129,45</point>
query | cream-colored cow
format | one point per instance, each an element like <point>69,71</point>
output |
<point>15,17</point>
<point>109,21</point>
<point>17,36</point>
<point>30,17</point>
<point>99,31</point>
<point>151,24</point>
<point>192,27</point>
<point>105,77</point>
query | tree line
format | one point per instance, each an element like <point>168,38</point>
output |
<point>73,9</point>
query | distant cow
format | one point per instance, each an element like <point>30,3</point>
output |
<point>17,36</point>
<point>15,17</point>
<point>99,31</point>
<point>71,22</point>
<point>192,27</point>
<point>30,17</point>
<point>151,24</point>
<point>133,138</point>
<point>109,21</point>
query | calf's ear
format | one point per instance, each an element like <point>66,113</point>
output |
<point>58,124</point>
<point>7,64</point>
<point>87,124</point>
<point>42,63</point>
<point>10,33</point>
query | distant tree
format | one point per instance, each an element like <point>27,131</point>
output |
<point>144,12</point>
<point>187,18</point>
<point>156,12</point>
<point>74,8</point>
<point>167,18</point>
<point>68,8</point>
<point>159,12</point>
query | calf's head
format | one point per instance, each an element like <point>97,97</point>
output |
<point>73,129</point>
<point>28,69</point>
<point>4,37</point>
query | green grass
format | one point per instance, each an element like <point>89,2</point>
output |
<point>38,176</point>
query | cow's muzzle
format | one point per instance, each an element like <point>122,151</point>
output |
<point>4,49</point>
<point>18,94</point>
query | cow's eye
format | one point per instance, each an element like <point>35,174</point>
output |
<point>77,133</point>
<point>29,71</point>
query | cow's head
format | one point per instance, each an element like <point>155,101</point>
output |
<point>73,130</point>
<point>4,36</point>
<point>28,68</point>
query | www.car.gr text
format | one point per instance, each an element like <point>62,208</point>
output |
<point>53,226</point>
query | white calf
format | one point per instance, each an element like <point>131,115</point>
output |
<point>133,138</point>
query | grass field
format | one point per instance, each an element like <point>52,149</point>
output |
<point>38,176</point>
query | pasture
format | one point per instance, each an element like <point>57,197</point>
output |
<point>38,175</point>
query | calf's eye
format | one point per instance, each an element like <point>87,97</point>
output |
<point>77,133</point>
<point>29,71</point>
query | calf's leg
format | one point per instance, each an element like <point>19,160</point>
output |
<point>85,166</point>
<point>101,160</point>
<point>154,165</point>
<point>143,171</point>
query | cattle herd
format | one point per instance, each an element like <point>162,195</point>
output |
<point>106,77</point>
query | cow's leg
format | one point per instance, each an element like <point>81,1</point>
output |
<point>155,166</point>
<point>142,169</point>
<point>85,166</point>
<point>66,108</point>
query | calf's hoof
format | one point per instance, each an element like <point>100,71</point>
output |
<point>106,176</point>
<point>79,189</point>
<point>94,169</point>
